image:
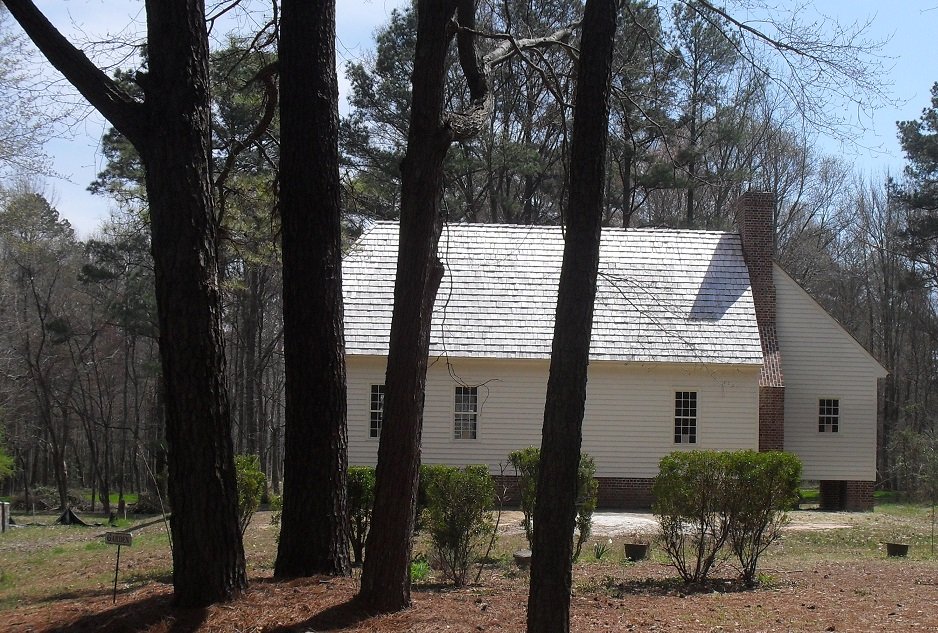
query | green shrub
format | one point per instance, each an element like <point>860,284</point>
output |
<point>706,499</point>
<point>7,465</point>
<point>525,461</point>
<point>689,498</point>
<point>587,492</point>
<point>251,486</point>
<point>761,487</point>
<point>361,498</point>
<point>427,473</point>
<point>458,518</point>
<point>276,508</point>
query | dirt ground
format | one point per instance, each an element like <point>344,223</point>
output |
<point>875,596</point>
<point>799,593</point>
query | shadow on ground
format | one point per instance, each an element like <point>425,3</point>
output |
<point>152,613</point>
<point>335,618</point>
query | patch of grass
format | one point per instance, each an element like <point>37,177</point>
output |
<point>7,579</point>
<point>887,496</point>
<point>890,522</point>
<point>767,581</point>
<point>95,546</point>
<point>54,561</point>
<point>145,577</point>
<point>904,509</point>
<point>810,494</point>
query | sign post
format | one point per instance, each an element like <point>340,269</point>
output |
<point>119,539</point>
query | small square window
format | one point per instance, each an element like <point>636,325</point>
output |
<point>377,410</point>
<point>685,417</point>
<point>466,413</point>
<point>828,420</point>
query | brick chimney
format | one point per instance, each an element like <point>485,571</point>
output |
<point>755,218</point>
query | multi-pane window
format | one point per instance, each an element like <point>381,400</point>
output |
<point>828,418</point>
<point>685,417</point>
<point>377,410</point>
<point>467,413</point>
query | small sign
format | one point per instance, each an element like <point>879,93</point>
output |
<point>119,538</point>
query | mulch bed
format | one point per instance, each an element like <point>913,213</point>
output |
<point>875,595</point>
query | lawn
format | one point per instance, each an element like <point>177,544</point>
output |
<point>819,577</point>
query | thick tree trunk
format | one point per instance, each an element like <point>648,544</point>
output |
<point>554,514</point>
<point>170,130</point>
<point>314,524</point>
<point>208,557</point>
<point>386,573</point>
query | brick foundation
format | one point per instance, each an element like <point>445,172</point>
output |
<point>625,492</point>
<point>506,486</point>
<point>849,496</point>
<point>614,492</point>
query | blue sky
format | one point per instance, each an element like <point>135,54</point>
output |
<point>909,25</point>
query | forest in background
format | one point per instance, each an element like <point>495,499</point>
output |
<point>694,122</point>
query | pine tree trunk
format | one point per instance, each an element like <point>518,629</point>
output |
<point>251,309</point>
<point>386,572</point>
<point>314,523</point>
<point>208,557</point>
<point>554,513</point>
<point>170,130</point>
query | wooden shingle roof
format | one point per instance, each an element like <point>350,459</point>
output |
<point>663,295</point>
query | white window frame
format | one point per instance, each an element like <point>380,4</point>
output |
<point>465,413</point>
<point>682,417</point>
<point>829,418</point>
<point>374,431</point>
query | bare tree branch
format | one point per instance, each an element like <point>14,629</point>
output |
<point>122,110</point>
<point>815,62</point>
<point>468,124</point>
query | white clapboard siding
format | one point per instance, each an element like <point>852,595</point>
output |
<point>821,360</point>
<point>629,416</point>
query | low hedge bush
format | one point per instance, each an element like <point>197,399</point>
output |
<point>525,462</point>
<point>705,500</point>
<point>457,516</point>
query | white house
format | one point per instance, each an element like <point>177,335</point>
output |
<point>699,341</point>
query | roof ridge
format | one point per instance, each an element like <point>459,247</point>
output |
<point>556,227</point>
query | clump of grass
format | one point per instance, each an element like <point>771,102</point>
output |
<point>7,579</point>
<point>419,569</point>
<point>601,548</point>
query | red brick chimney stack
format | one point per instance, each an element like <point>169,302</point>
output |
<point>755,218</point>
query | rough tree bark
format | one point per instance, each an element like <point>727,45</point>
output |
<point>313,533</point>
<point>554,514</point>
<point>170,130</point>
<point>386,573</point>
